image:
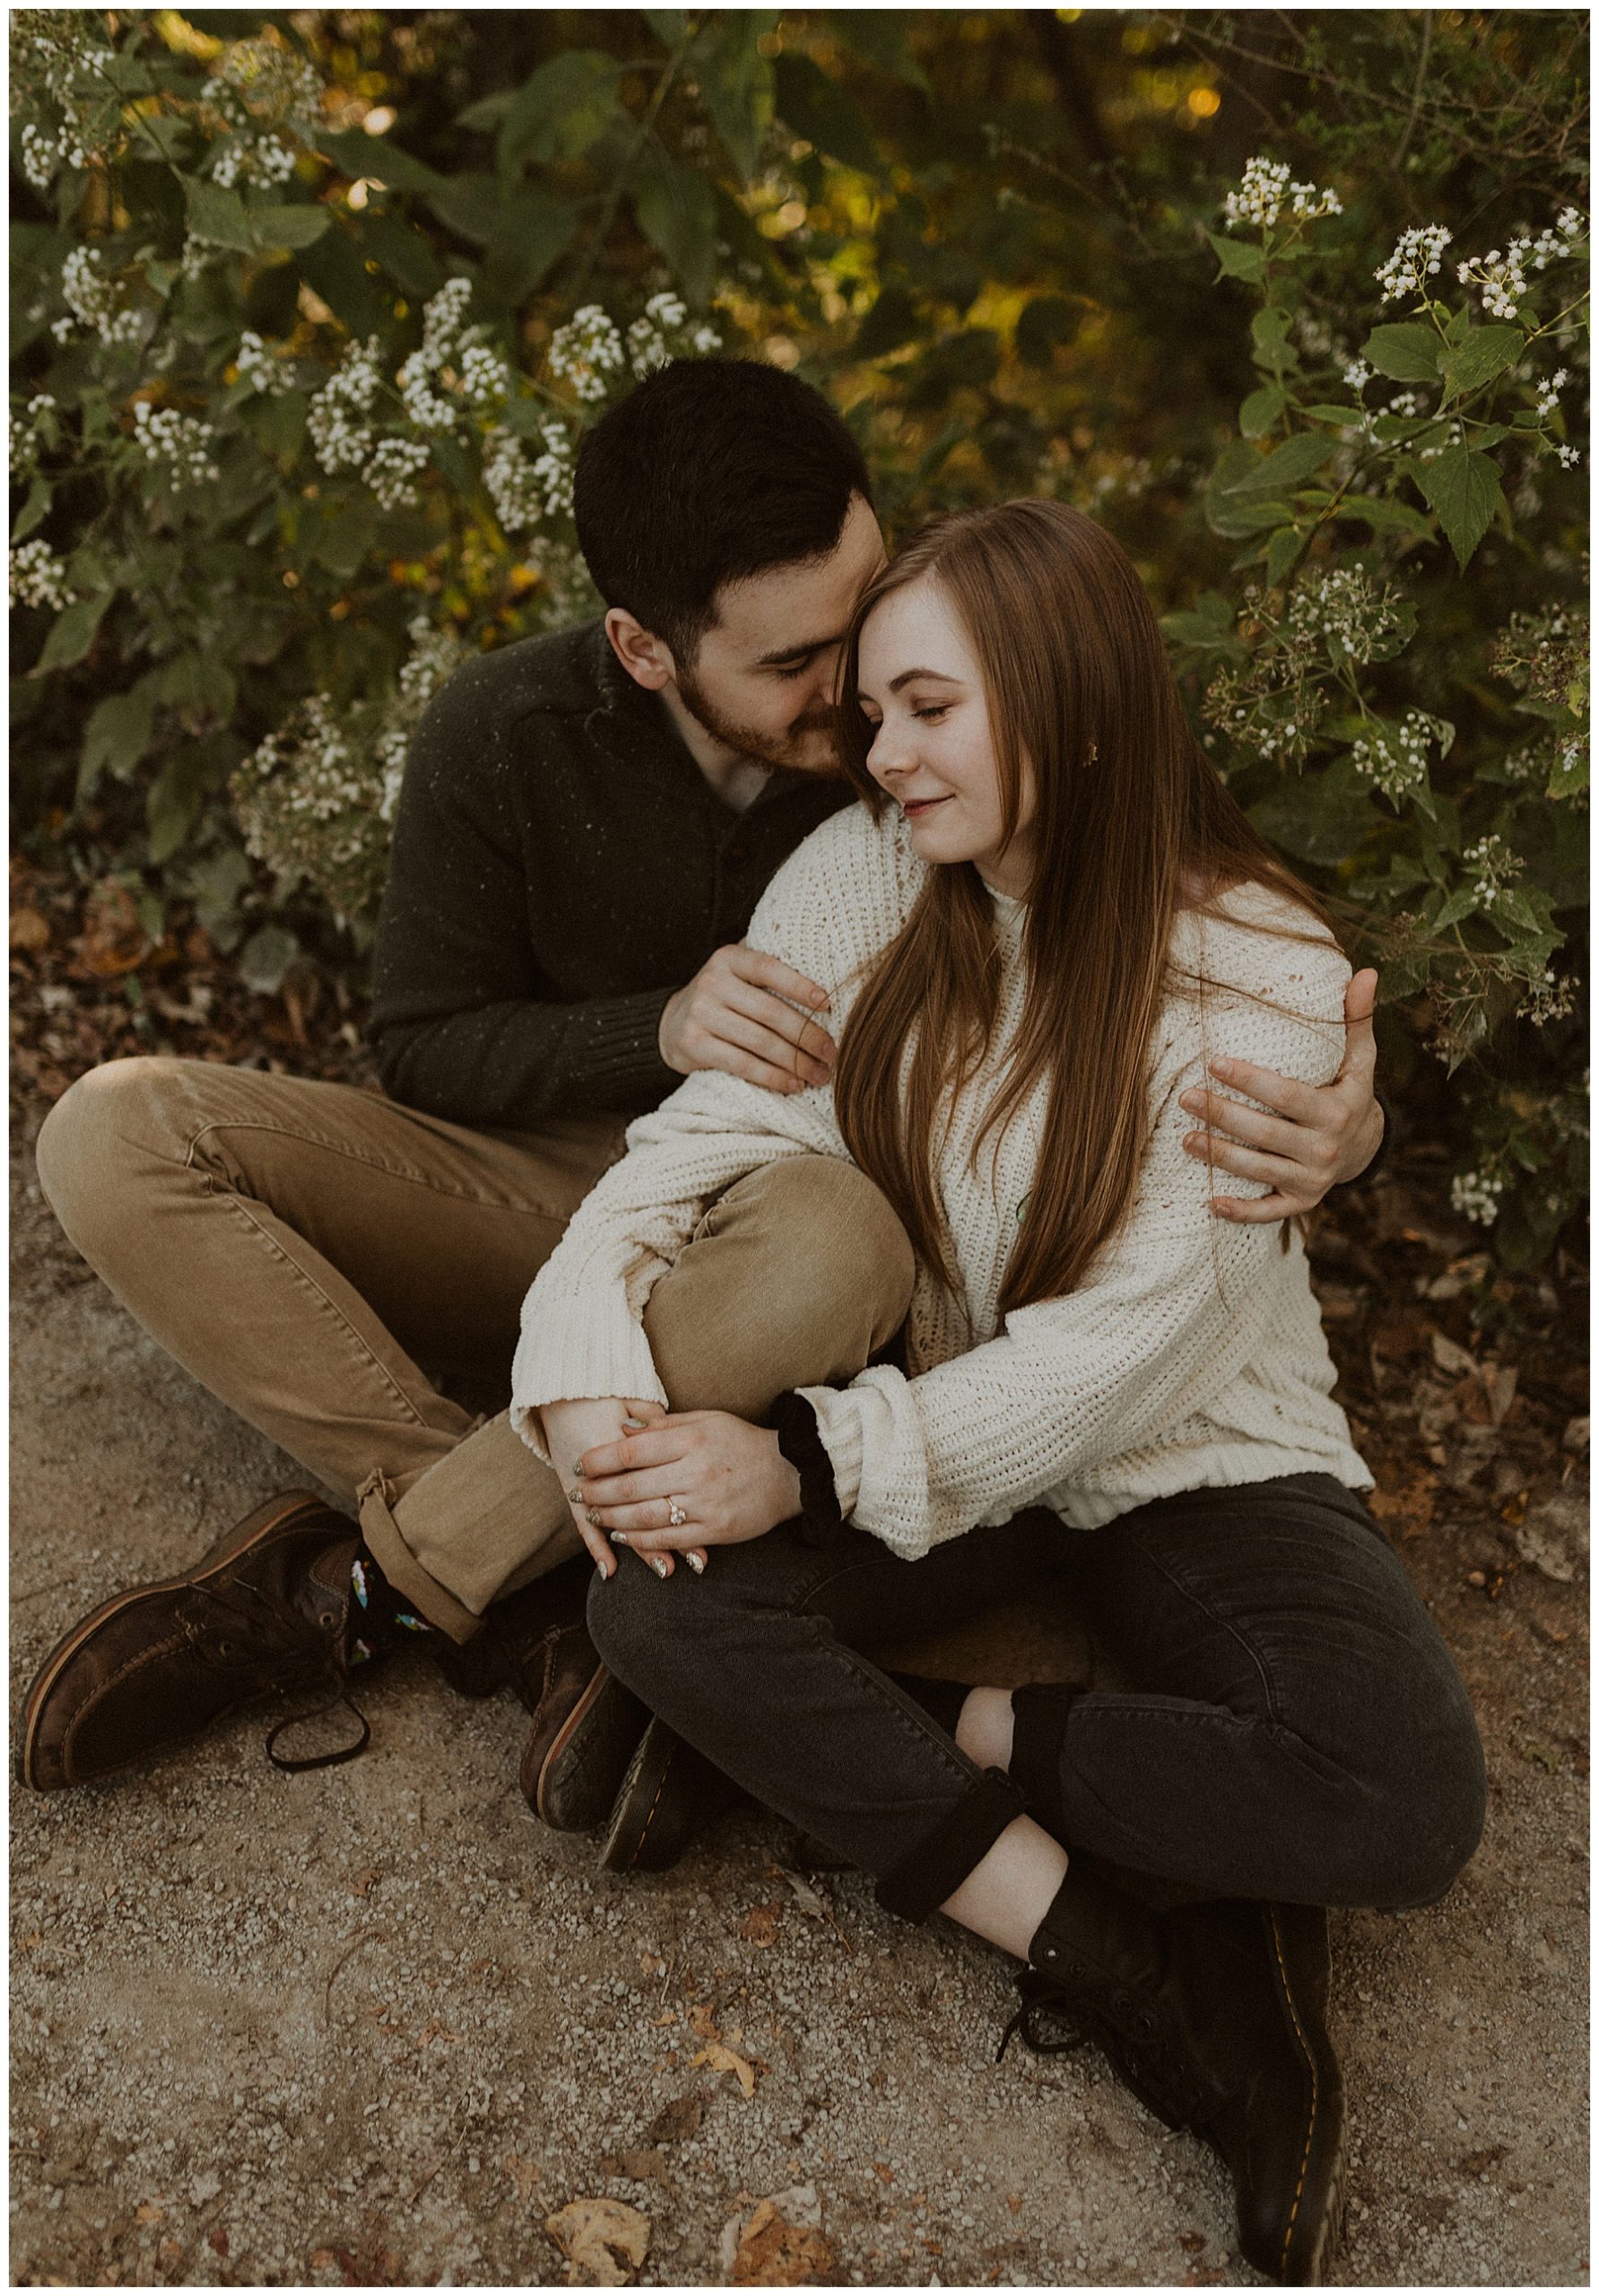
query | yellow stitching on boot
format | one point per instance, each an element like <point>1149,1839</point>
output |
<point>1315,2085</point>
<point>655,1806</point>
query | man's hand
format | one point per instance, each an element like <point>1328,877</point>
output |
<point>1321,1136</point>
<point>727,1479</point>
<point>573,1427</point>
<point>733,1015</point>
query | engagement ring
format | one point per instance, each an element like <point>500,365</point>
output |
<point>675,1515</point>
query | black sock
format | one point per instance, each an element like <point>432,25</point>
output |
<point>378,1615</point>
<point>942,1701</point>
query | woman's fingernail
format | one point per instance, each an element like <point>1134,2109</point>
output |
<point>575,1494</point>
<point>656,1564</point>
<point>620,1538</point>
<point>696,1563</point>
<point>634,1424</point>
<point>1221,1067</point>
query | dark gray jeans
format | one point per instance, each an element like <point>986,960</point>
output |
<point>1297,1731</point>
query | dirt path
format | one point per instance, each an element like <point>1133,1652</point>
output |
<point>373,2025</point>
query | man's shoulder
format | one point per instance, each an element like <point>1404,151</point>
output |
<point>555,673</point>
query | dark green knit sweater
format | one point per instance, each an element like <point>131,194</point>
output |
<point>560,867</point>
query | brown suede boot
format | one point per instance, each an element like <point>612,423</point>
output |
<point>268,1610</point>
<point>1215,2016</point>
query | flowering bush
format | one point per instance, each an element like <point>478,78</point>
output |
<point>309,324</point>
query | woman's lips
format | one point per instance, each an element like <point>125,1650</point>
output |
<point>914,806</point>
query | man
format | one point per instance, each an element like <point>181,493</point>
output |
<point>587,821</point>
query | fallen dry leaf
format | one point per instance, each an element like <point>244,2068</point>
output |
<point>646,2166</point>
<point>674,2121</point>
<point>30,932</point>
<point>362,1884</point>
<point>700,2021</point>
<point>1452,1359</point>
<point>528,2173</point>
<point>722,2059</point>
<point>217,2239</point>
<point>780,2244</point>
<point>882,2169</point>
<point>1408,1508</point>
<point>147,2213</point>
<point>323,2259</point>
<point>804,1896</point>
<point>760,1925</point>
<point>604,2241</point>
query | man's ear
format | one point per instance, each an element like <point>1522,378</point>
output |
<point>647,659</point>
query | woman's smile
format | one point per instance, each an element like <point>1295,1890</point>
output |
<point>914,806</point>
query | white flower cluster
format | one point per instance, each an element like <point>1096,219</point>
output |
<point>663,333</point>
<point>30,433</point>
<point>1395,756</point>
<point>38,578</point>
<point>182,442</point>
<point>56,54</point>
<point>1503,278</point>
<point>485,379</point>
<point>1569,457</point>
<point>263,370</point>
<point>1548,393</point>
<point>1357,374</point>
<point>1265,190</point>
<point>43,155</point>
<point>1476,1195</point>
<point>587,350</point>
<point>1417,257</point>
<point>1493,866</point>
<point>338,417</point>
<point>1345,610</point>
<point>92,301</point>
<point>392,471</point>
<point>265,163</point>
<point>1547,998</point>
<point>440,345</point>
<point>436,654</point>
<point>309,768</point>
<point>1404,403</point>
<point>524,491</point>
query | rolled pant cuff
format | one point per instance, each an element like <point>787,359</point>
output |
<point>401,1567</point>
<point>959,1843</point>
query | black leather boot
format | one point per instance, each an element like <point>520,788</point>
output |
<point>1215,2016</point>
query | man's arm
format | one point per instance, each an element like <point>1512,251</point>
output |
<point>1318,1136</point>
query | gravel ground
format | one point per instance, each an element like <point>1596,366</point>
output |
<point>373,2026</point>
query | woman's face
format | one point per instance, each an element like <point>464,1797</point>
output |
<point>921,691</point>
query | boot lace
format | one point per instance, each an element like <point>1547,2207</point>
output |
<point>261,1625</point>
<point>1115,2020</point>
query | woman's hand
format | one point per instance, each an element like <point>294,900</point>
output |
<point>1321,1136</point>
<point>727,1479</point>
<point>578,1425</point>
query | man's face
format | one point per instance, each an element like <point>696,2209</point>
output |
<point>762,681</point>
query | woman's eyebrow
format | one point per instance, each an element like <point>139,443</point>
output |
<point>905,676</point>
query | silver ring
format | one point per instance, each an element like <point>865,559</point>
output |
<point>675,1515</point>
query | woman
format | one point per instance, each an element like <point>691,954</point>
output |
<point>1034,930</point>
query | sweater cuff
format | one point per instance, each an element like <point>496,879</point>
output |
<point>837,1412</point>
<point>614,1053</point>
<point>819,1519</point>
<point>580,1348</point>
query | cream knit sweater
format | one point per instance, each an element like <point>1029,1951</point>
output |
<point>1191,1356</point>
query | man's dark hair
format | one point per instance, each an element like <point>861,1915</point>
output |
<point>712,470</point>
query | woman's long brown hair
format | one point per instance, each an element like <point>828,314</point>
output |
<point>1130,824</point>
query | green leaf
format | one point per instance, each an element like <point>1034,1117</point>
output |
<point>1324,816</point>
<point>1239,258</point>
<point>893,320</point>
<point>1381,512</point>
<point>1407,354</point>
<point>405,253</point>
<point>1047,322</point>
<point>1269,332</point>
<point>265,958</point>
<point>486,115</point>
<point>1283,548</point>
<point>357,154</point>
<point>116,736</point>
<point>677,214</point>
<point>296,226</point>
<point>1285,465</point>
<point>198,685</point>
<point>535,233</point>
<point>33,511</point>
<point>1261,409</point>
<point>561,111</point>
<point>172,805</point>
<point>669,25</point>
<point>215,885</point>
<point>334,269</point>
<point>1464,489</point>
<point>1349,417</point>
<point>1570,774</point>
<point>1480,355</point>
<point>815,108</point>
<point>475,205</point>
<point>737,82</point>
<point>879,36</point>
<point>71,634</point>
<point>217,216</point>
<point>1456,905</point>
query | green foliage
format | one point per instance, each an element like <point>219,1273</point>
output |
<point>309,318</point>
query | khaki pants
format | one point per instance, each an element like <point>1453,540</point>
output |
<point>303,1248</point>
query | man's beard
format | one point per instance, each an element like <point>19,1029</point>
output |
<point>798,749</point>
